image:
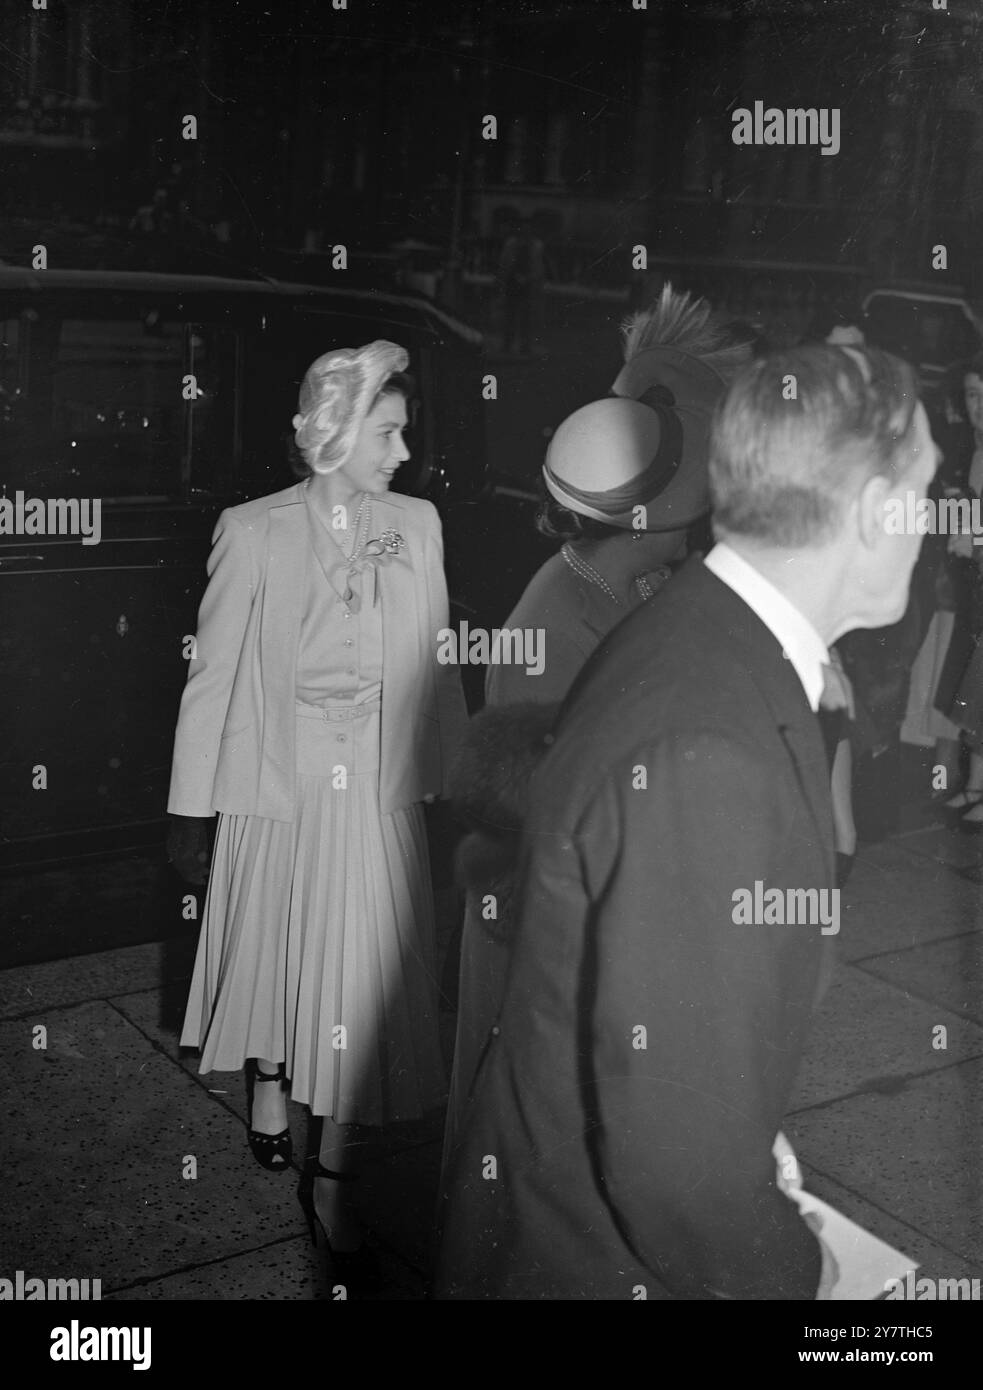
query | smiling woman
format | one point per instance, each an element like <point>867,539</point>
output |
<point>315,721</point>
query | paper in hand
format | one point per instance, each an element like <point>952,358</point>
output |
<point>867,1265</point>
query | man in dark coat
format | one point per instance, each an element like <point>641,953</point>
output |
<point>675,895</point>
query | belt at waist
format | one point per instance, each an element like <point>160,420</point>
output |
<point>333,712</point>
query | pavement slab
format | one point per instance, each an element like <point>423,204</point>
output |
<point>950,973</point>
<point>27,989</point>
<point>870,1035</point>
<point>943,841</point>
<point>934,1261</point>
<point>285,1270</point>
<point>913,1152</point>
<point>103,1128</point>
<point>894,901</point>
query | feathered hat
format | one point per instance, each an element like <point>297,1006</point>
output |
<point>336,395</point>
<point>646,445</point>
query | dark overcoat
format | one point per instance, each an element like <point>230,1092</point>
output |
<point>619,1134</point>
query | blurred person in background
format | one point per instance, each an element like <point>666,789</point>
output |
<point>522,276</point>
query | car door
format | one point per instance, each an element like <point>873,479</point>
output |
<point>97,406</point>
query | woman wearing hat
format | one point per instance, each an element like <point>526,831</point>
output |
<point>315,721</point>
<point>625,483</point>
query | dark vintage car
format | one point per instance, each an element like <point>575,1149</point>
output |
<point>95,404</point>
<point>928,327</point>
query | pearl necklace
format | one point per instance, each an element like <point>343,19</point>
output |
<point>360,540</point>
<point>360,528</point>
<point>585,570</point>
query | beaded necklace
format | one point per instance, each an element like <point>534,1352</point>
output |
<point>360,528</point>
<point>586,570</point>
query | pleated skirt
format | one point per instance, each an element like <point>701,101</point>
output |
<point>317,941</point>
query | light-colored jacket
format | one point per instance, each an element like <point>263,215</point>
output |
<point>234,748</point>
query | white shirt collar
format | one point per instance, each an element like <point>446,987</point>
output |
<point>801,643</point>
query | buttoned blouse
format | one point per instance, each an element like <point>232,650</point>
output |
<point>339,657</point>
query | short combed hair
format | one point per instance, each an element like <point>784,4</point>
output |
<point>799,432</point>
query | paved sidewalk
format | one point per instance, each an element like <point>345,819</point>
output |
<point>101,1125</point>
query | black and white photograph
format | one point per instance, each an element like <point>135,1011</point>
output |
<point>491,631</point>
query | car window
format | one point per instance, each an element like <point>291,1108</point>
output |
<point>117,412</point>
<point>212,358</point>
<point>103,406</point>
<point>11,367</point>
<point>921,331</point>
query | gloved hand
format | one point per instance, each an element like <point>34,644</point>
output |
<point>189,847</point>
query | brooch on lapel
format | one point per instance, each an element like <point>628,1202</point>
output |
<point>387,544</point>
<point>392,541</point>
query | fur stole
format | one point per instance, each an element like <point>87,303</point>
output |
<point>489,785</point>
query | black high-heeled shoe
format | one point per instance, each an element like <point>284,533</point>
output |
<point>273,1152</point>
<point>358,1268</point>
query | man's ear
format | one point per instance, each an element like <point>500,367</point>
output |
<point>871,510</point>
